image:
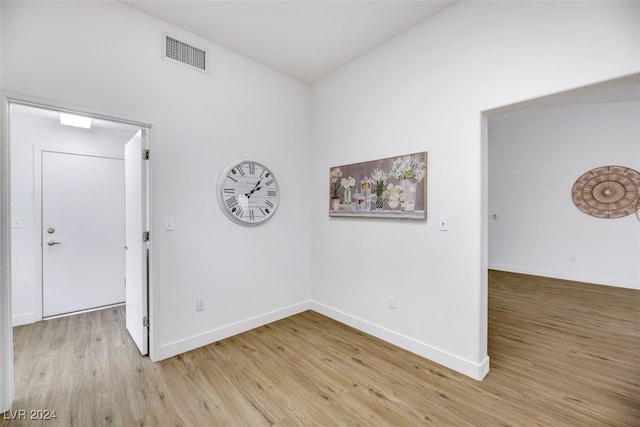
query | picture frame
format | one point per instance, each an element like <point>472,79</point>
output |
<point>389,188</point>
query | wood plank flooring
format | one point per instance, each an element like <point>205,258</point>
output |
<point>562,354</point>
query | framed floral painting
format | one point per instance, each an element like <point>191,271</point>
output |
<point>394,187</point>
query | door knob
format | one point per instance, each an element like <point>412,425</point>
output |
<point>53,242</point>
<point>51,230</point>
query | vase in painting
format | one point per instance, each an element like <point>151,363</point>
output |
<point>410,189</point>
<point>379,198</point>
<point>347,195</point>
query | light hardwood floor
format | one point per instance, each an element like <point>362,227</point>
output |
<point>562,353</point>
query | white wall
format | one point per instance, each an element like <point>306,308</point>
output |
<point>72,54</point>
<point>28,136</point>
<point>425,90</point>
<point>535,157</point>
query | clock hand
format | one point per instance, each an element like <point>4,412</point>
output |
<point>253,191</point>
<point>255,188</point>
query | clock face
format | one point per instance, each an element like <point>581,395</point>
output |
<point>248,192</point>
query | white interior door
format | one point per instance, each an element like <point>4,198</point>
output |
<point>136,248</point>
<point>82,232</point>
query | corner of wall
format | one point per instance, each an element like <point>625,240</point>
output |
<point>209,337</point>
<point>475,370</point>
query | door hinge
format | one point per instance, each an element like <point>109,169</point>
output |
<point>145,321</point>
<point>145,236</point>
<point>145,154</point>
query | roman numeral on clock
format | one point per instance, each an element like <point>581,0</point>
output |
<point>268,203</point>
<point>229,190</point>
<point>269,182</point>
<point>271,193</point>
<point>252,168</point>
<point>231,202</point>
<point>251,215</point>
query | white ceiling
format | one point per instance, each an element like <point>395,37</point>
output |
<point>306,39</point>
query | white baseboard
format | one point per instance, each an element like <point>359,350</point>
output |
<point>474,370</point>
<point>466,367</point>
<point>208,337</point>
<point>24,319</point>
<point>566,276</point>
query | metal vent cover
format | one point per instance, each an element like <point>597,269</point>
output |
<point>184,53</point>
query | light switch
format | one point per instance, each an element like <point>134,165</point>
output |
<point>168,223</point>
<point>16,222</point>
<point>444,224</point>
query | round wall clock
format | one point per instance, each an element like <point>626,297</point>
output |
<point>248,192</point>
<point>608,192</point>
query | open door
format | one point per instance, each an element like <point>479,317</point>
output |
<point>136,242</point>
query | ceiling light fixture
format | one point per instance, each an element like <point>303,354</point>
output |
<point>75,120</point>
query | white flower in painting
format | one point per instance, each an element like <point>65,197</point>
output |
<point>334,174</point>
<point>409,167</point>
<point>379,175</point>
<point>393,193</point>
<point>348,183</point>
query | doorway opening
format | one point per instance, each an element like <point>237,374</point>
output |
<point>536,152</point>
<point>533,152</point>
<point>57,175</point>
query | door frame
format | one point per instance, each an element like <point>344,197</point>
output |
<point>6,319</point>
<point>37,217</point>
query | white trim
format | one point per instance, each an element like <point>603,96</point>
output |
<point>208,337</point>
<point>25,318</point>
<point>153,332</point>
<point>16,98</point>
<point>597,280</point>
<point>88,310</point>
<point>39,149</point>
<point>6,330</point>
<point>472,369</point>
<point>483,319</point>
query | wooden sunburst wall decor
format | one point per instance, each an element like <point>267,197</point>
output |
<point>608,192</point>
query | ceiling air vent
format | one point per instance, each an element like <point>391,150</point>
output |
<point>184,53</point>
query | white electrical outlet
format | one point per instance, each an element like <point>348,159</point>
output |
<point>199,304</point>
